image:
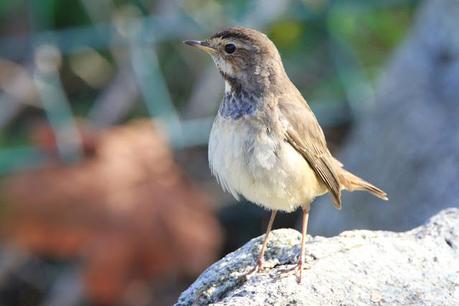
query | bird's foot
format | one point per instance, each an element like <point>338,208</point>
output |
<point>258,268</point>
<point>299,274</point>
<point>301,266</point>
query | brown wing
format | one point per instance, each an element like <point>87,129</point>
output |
<point>304,133</point>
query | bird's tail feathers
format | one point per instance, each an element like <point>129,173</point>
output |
<point>352,182</point>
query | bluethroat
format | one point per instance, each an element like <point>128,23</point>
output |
<point>266,143</point>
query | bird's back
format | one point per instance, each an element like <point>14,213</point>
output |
<point>304,133</point>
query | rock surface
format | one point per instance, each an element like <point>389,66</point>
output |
<point>418,267</point>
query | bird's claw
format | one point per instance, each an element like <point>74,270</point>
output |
<point>299,275</point>
<point>258,268</point>
<point>299,271</point>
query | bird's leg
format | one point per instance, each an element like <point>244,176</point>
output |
<point>261,257</point>
<point>303,241</point>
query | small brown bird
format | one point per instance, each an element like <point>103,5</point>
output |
<point>266,143</point>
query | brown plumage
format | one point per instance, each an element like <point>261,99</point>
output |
<point>306,136</point>
<point>266,144</point>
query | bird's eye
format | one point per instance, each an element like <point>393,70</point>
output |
<point>230,48</point>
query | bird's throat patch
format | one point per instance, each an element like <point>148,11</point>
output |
<point>236,105</point>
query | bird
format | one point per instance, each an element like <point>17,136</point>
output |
<point>265,143</point>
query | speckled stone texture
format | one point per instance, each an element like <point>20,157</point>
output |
<point>418,267</point>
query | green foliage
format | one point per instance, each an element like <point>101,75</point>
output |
<point>287,34</point>
<point>62,18</point>
<point>373,34</point>
<point>8,6</point>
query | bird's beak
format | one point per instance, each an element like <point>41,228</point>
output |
<point>203,45</point>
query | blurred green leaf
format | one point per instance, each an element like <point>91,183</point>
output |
<point>7,6</point>
<point>373,34</point>
<point>287,34</point>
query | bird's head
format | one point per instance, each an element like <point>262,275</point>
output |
<point>246,58</point>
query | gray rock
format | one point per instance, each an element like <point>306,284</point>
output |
<point>418,267</point>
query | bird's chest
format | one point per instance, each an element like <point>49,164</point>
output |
<point>251,159</point>
<point>241,153</point>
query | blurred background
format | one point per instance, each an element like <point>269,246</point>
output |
<point>106,197</point>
